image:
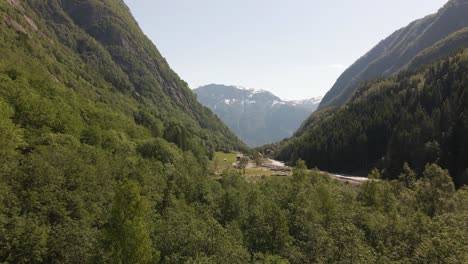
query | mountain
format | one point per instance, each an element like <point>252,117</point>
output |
<point>97,133</point>
<point>257,117</point>
<point>353,132</point>
<point>404,48</point>
<point>418,117</point>
<point>95,51</point>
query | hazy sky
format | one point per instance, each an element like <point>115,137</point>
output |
<point>293,48</point>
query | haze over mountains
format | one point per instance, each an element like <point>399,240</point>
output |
<point>257,117</point>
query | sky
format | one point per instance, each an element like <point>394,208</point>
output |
<point>295,49</point>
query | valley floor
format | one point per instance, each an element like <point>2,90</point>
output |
<point>268,168</point>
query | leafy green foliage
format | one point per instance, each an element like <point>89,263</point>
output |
<point>126,234</point>
<point>243,162</point>
<point>11,138</point>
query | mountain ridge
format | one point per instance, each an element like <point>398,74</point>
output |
<point>394,52</point>
<point>418,117</point>
<point>256,116</point>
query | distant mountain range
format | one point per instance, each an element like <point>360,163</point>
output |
<point>420,42</point>
<point>257,117</point>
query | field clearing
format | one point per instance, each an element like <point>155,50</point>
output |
<point>258,172</point>
<point>223,160</point>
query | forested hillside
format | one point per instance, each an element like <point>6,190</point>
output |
<point>86,102</point>
<point>417,117</point>
<point>95,52</point>
<point>399,50</point>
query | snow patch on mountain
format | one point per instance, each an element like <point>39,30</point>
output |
<point>244,88</point>
<point>276,102</point>
<point>250,113</point>
<point>311,101</point>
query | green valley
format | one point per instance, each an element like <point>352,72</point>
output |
<point>107,157</point>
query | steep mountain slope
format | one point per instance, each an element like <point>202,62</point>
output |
<point>96,132</point>
<point>399,49</point>
<point>416,116</point>
<point>99,44</point>
<point>444,47</point>
<point>257,117</point>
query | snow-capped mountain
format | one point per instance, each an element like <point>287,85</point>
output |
<point>312,102</point>
<point>256,116</point>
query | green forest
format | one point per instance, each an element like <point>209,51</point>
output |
<point>104,155</point>
<point>418,116</point>
<point>69,202</point>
